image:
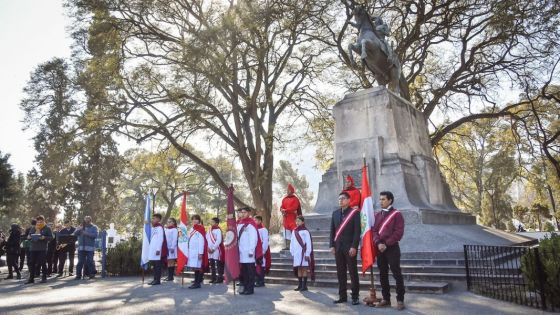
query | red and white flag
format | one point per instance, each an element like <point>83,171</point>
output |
<point>182,242</point>
<point>367,218</point>
<point>231,265</point>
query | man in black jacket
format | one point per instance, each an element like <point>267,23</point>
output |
<point>344,241</point>
<point>39,235</point>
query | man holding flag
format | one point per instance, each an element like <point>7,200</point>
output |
<point>387,232</point>
<point>182,241</point>
<point>158,248</point>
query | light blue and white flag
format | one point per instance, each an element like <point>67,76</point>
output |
<point>146,235</point>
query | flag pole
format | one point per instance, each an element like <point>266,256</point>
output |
<point>372,294</point>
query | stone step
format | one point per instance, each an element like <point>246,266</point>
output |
<point>321,247</point>
<point>410,286</point>
<point>404,261</point>
<point>409,276</point>
<point>405,268</point>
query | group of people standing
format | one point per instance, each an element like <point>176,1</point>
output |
<point>345,233</point>
<point>47,249</point>
<point>204,250</point>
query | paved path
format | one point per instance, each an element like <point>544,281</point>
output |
<point>129,296</point>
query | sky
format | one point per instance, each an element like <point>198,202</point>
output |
<point>31,32</point>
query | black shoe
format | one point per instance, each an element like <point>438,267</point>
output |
<point>242,293</point>
<point>9,277</point>
<point>249,292</point>
<point>355,302</point>
<point>297,289</point>
<point>195,286</point>
<point>258,285</point>
<point>303,289</point>
<point>18,276</point>
<point>59,275</point>
<point>341,300</point>
<point>78,278</point>
<point>44,280</point>
<point>91,277</point>
<point>155,283</point>
<point>220,280</point>
<point>30,281</point>
<point>151,282</point>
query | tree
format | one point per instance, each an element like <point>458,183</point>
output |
<point>10,191</point>
<point>285,174</point>
<point>221,72</point>
<point>478,161</point>
<point>539,211</point>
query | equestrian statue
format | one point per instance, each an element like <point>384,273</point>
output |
<point>376,54</point>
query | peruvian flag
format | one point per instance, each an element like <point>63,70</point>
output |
<point>230,242</point>
<point>367,217</point>
<point>182,243</point>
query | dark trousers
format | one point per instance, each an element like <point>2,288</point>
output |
<point>344,264</point>
<point>37,260</point>
<point>390,258</point>
<point>260,274</point>
<point>22,254</point>
<point>85,263</point>
<point>52,262</point>
<point>198,277</point>
<point>12,261</point>
<point>248,277</point>
<point>217,268</point>
<point>62,261</point>
<point>157,270</point>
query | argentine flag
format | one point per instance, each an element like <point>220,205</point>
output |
<point>147,233</point>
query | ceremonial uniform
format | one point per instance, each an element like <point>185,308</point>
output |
<point>216,252</point>
<point>157,250</point>
<point>171,236</point>
<point>388,230</point>
<point>292,208</point>
<point>265,263</point>
<point>248,240</point>
<point>345,234</point>
<point>197,253</point>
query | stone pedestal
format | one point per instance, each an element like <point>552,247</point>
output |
<point>393,137</point>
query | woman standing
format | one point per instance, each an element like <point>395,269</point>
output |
<point>171,235</point>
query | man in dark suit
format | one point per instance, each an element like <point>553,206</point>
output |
<point>344,241</point>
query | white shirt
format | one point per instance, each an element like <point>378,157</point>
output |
<point>296,249</point>
<point>214,238</point>
<point>263,233</point>
<point>156,242</point>
<point>195,247</point>
<point>171,236</point>
<point>247,243</point>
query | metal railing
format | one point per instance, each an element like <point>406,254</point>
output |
<point>513,273</point>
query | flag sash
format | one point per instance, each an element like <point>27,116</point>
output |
<point>342,226</point>
<point>389,218</point>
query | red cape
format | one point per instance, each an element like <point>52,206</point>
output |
<point>222,248</point>
<point>200,229</point>
<point>293,208</point>
<point>267,256</point>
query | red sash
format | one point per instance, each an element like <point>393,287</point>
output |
<point>303,249</point>
<point>342,226</point>
<point>389,218</point>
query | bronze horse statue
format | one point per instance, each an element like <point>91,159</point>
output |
<point>376,55</point>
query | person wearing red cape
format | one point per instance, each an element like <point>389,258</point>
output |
<point>250,249</point>
<point>301,248</point>
<point>355,194</point>
<point>216,251</point>
<point>197,252</point>
<point>264,267</point>
<point>290,208</point>
<point>158,248</point>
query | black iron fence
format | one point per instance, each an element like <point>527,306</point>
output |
<point>522,275</point>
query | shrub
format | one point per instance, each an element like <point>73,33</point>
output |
<point>124,258</point>
<point>549,255</point>
<point>548,227</point>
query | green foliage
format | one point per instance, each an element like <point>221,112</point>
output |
<point>549,256</point>
<point>548,227</point>
<point>124,258</point>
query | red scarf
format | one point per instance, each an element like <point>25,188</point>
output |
<point>258,249</point>
<point>303,248</point>
<point>222,248</point>
<point>200,229</point>
<point>267,256</point>
<point>163,245</point>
